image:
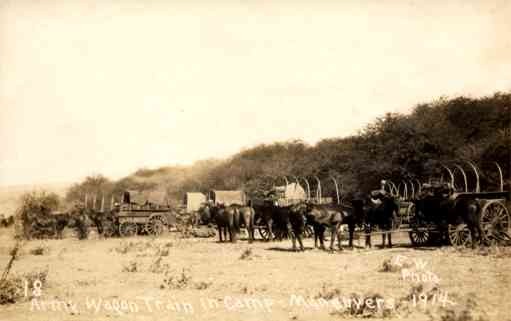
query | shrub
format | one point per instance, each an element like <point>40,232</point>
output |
<point>162,251</point>
<point>38,250</point>
<point>247,254</point>
<point>462,312</point>
<point>158,267</point>
<point>12,289</point>
<point>34,214</point>
<point>328,293</point>
<point>180,281</point>
<point>202,285</point>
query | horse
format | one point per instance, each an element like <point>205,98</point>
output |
<point>97,219</point>
<point>227,220</point>
<point>322,217</point>
<point>291,219</point>
<point>246,216</point>
<point>281,220</point>
<point>75,218</point>
<point>204,214</point>
<point>61,221</point>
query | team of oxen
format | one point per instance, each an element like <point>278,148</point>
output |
<point>375,211</point>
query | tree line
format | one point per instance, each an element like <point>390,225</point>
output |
<point>395,146</point>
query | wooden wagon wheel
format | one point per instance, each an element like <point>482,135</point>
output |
<point>128,229</point>
<point>421,232</point>
<point>156,225</point>
<point>262,228</point>
<point>420,236</point>
<point>264,232</point>
<point>459,234</point>
<point>495,221</point>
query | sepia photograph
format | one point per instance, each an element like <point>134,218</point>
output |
<point>232,160</point>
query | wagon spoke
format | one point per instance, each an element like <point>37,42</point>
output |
<point>503,218</point>
<point>459,235</point>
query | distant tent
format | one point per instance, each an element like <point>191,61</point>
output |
<point>193,201</point>
<point>228,197</point>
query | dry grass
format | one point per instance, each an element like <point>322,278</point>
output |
<point>188,270</point>
<point>143,247</point>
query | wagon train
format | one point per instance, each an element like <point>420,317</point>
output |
<point>448,207</point>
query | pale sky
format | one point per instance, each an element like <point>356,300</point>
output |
<point>111,86</point>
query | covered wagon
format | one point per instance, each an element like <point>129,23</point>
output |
<point>193,201</point>
<point>228,197</point>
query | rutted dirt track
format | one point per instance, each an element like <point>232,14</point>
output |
<point>199,279</point>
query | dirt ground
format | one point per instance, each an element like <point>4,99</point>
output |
<point>170,278</point>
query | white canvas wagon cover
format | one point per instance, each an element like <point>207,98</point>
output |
<point>228,197</point>
<point>194,200</point>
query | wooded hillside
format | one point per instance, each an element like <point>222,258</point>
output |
<point>395,146</point>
